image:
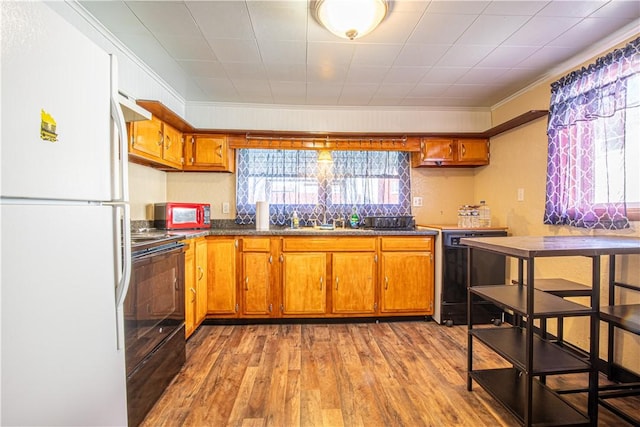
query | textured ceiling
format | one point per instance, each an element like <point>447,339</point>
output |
<point>425,53</point>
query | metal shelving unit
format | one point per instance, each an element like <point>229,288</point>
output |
<point>521,389</point>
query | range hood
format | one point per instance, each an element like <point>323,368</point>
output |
<point>132,112</point>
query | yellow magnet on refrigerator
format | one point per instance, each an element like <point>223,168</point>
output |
<point>47,127</point>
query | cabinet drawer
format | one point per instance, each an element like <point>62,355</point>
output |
<point>258,244</point>
<point>329,244</point>
<point>406,243</point>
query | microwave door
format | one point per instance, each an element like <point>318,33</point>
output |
<point>183,216</point>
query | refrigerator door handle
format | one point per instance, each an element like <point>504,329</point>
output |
<point>121,190</point>
<point>123,286</point>
<point>120,154</point>
<point>123,249</point>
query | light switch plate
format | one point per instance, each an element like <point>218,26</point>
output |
<point>520,194</point>
<point>417,201</point>
<point>225,207</point>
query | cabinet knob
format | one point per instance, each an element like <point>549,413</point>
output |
<point>337,281</point>
<point>201,271</point>
<point>246,283</point>
<point>386,283</point>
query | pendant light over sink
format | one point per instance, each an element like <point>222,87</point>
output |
<point>350,19</point>
<point>324,156</point>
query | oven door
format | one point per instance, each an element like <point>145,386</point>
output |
<point>154,305</point>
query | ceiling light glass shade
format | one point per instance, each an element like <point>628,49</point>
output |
<point>324,156</point>
<point>351,19</point>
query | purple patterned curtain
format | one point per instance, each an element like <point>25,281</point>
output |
<point>586,154</point>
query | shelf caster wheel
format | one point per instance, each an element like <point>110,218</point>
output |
<point>449,323</point>
<point>496,322</point>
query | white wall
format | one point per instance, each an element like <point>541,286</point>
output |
<point>336,119</point>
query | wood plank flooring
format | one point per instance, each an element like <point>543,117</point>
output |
<point>354,374</point>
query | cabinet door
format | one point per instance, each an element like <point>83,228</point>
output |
<point>353,282</point>
<point>146,138</point>
<point>201,280</point>
<point>221,279</point>
<point>189,289</point>
<point>473,151</point>
<point>303,283</point>
<point>437,150</point>
<point>406,282</point>
<point>172,146</point>
<point>208,152</point>
<point>256,283</point>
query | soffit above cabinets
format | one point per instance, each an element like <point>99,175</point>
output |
<point>334,141</point>
<point>437,54</point>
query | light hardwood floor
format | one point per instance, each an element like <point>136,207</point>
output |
<point>353,374</point>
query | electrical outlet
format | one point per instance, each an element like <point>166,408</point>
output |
<point>417,201</point>
<point>520,194</point>
<point>225,207</point>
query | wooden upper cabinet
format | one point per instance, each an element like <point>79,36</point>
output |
<point>145,138</point>
<point>435,150</point>
<point>452,152</point>
<point>473,151</point>
<point>172,145</point>
<point>155,142</point>
<point>208,152</point>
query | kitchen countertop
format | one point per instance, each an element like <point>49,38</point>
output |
<point>454,227</point>
<point>303,231</point>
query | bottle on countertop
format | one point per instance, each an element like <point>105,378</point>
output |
<point>295,220</point>
<point>354,219</point>
<point>485,214</point>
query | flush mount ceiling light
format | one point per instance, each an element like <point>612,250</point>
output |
<point>350,19</point>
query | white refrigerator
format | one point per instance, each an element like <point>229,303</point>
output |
<point>64,225</point>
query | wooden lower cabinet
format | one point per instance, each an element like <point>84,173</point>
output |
<point>221,276</point>
<point>406,282</point>
<point>353,284</point>
<point>189,288</point>
<point>319,277</point>
<point>195,270</point>
<point>256,281</point>
<point>406,276</point>
<point>304,289</point>
<point>201,267</point>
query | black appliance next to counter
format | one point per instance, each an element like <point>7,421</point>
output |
<point>487,269</point>
<point>154,322</point>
